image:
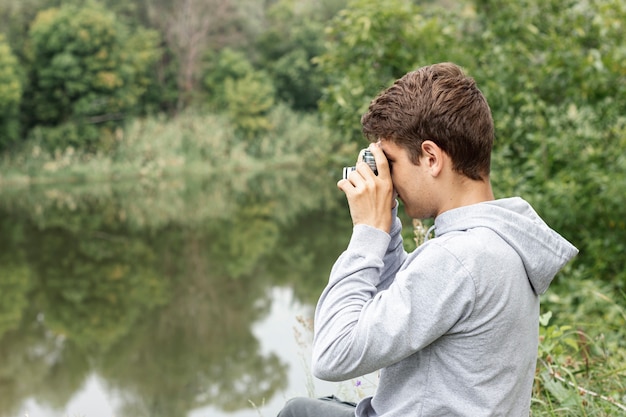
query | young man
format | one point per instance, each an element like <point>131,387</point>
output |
<point>452,326</point>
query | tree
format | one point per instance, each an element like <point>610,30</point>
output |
<point>10,95</point>
<point>372,43</point>
<point>87,70</point>
<point>245,94</point>
<point>192,27</point>
<point>221,66</point>
<point>250,100</point>
<point>293,37</point>
<point>15,19</point>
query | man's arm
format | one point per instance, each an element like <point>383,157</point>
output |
<point>359,329</point>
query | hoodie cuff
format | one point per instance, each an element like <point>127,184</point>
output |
<point>369,241</point>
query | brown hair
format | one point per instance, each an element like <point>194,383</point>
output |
<point>438,103</point>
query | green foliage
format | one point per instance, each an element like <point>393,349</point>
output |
<point>87,68</point>
<point>246,95</point>
<point>157,147</point>
<point>577,374</point>
<point>565,51</point>
<point>162,94</point>
<point>287,47</point>
<point>227,64</point>
<point>16,17</point>
<point>146,87</point>
<point>372,43</point>
<point>250,100</point>
<point>10,95</point>
<point>66,135</point>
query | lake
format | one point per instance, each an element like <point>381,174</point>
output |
<point>166,296</point>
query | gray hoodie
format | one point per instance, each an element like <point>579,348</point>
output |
<point>452,326</point>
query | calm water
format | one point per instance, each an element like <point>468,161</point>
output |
<point>165,297</point>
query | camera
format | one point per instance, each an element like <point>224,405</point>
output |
<point>368,158</point>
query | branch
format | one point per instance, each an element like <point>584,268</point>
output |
<point>581,390</point>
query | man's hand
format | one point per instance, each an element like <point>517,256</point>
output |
<point>370,196</point>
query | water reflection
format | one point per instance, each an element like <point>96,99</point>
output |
<point>156,286</point>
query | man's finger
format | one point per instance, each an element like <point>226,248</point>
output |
<point>359,157</point>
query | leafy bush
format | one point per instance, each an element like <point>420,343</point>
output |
<point>10,95</point>
<point>250,100</point>
<point>287,47</point>
<point>245,94</point>
<point>227,64</point>
<point>87,68</point>
<point>577,374</point>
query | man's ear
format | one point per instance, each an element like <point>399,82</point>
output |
<point>433,156</point>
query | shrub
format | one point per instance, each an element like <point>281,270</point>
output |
<point>10,95</point>
<point>87,68</point>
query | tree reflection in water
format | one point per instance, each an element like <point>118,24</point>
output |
<point>155,286</point>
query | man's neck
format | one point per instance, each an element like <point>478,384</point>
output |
<point>463,191</point>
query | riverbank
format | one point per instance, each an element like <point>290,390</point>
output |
<point>192,143</point>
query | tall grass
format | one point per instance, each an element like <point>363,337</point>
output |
<point>191,143</point>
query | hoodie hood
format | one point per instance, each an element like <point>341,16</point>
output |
<point>542,250</point>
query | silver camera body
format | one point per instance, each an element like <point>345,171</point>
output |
<point>368,158</point>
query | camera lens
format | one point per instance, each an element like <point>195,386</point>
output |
<point>368,157</point>
<point>347,171</point>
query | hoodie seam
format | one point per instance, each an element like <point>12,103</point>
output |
<point>467,274</point>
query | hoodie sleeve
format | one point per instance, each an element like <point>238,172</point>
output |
<point>395,254</point>
<point>359,329</point>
